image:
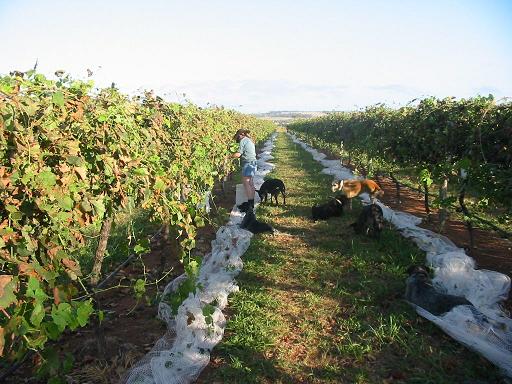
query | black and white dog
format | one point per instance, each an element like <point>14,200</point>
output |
<point>272,187</point>
<point>420,291</point>
<point>333,208</point>
<point>370,221</point>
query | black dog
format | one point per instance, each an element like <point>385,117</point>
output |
<point>420,291</point>
<point>272,186</point>
<point>250,223</point>
<point>244,207</point>
<point>370,221</point>
<point>333,208</point>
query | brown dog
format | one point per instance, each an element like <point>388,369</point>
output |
<point>353,188</point>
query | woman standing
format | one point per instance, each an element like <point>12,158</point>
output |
<point>247,155</point>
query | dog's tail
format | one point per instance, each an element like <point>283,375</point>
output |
<point>378,219</point>
<point>378,191</point>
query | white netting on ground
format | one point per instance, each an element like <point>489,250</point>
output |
<point>484,328</point>
<point>182,353</point>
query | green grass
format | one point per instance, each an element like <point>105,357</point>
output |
<point>318,304</point>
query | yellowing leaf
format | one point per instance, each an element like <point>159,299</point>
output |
<point>8,285</point>
<point>82,172</point>
<point>2,341</point>
<point>72,268</point>
<point>159,184</point>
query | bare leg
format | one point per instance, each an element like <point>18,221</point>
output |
<point>248,186</point>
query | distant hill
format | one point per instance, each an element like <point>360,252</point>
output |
<point>287,116</point>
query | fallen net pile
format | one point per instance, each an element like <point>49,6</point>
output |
<point>184,351</point>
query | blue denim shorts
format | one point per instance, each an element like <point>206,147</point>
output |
<point>249,169</point>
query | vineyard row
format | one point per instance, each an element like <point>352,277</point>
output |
<point>73,157</point>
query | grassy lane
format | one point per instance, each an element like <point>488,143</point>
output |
<point>318,304</point>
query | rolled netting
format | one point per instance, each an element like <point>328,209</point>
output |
<point>184,351</point>
<point>483,327</point>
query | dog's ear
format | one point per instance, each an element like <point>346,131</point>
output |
<point>417,269</point>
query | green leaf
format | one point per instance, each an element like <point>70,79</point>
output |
<point>6,88</point>
<point>208,311</point>
<point>47,274</point>
<point>159,185</point>
<point>68,362</point>
<point>56,380</point>
<point>30,108</point>
<point>11,208</point>
<point>139,288</point>
<point>46,179</point>
<point>192,268</point>
<point>32,286</point>
<point>52,330</point>
<point>61,315</point>
<point>37,314</point>
<point>23,251</point>
<point>426,177</point>
<point>50,364</point>
<point>40,78</point>
<point>84,311</point>
<point>86,206</point>
<point>140,171</point>
<point>16,216</point>
<point>24,327</point>
<point>66,203</point>
<point>39,341</point>
<point>99,208</point>
<point>142,247</point>
<point>58,99</point>
<point>63,216</point>
<point>40,295</point>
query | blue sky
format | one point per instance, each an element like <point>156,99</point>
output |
<point>257,56</point>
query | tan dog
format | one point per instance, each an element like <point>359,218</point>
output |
<point>353,188</point>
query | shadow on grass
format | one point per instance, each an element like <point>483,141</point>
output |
<point>346,293</point>
<point>247,366</point>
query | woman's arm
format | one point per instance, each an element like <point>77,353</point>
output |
<point>241,148</point>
